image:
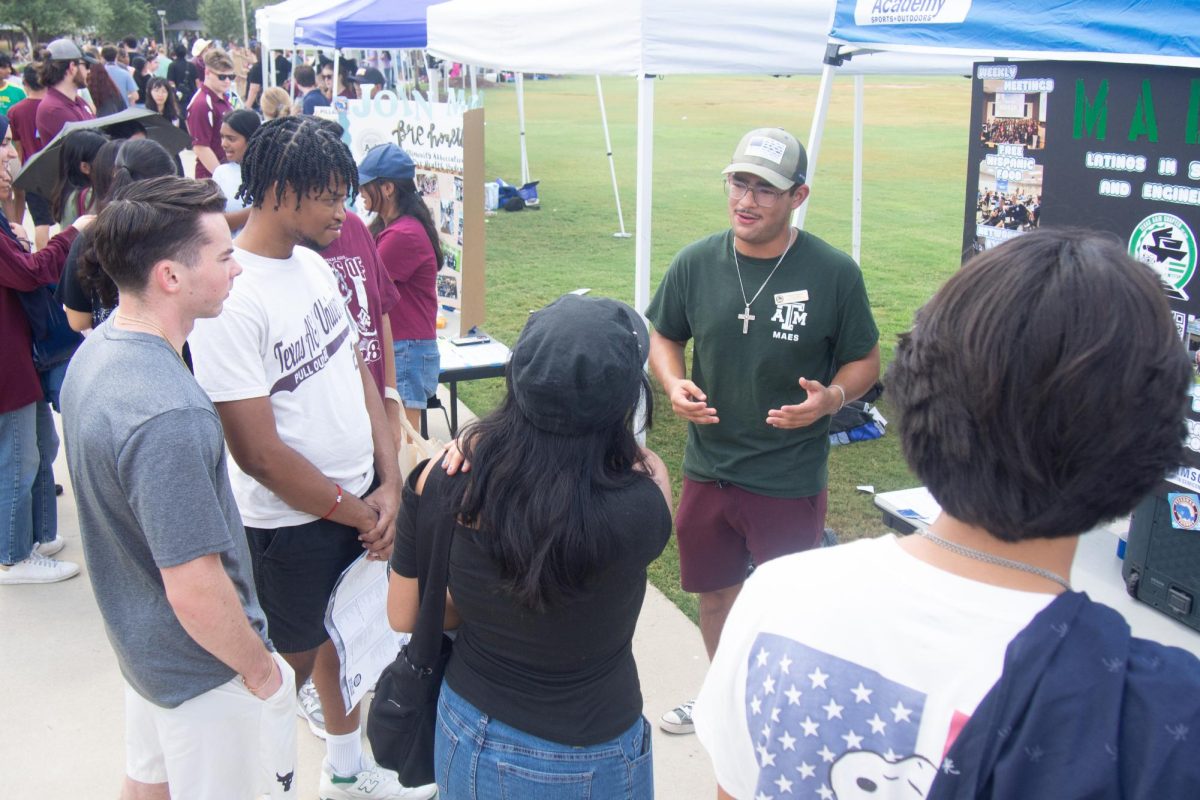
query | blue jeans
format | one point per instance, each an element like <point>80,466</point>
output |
<point>480,758</point>
<point>417,369</point>
<point>28,507</point>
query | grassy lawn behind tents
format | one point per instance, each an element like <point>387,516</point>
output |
<point>914,165</point>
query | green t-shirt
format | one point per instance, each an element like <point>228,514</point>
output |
<point>10,95</point>
<point>812,317</point>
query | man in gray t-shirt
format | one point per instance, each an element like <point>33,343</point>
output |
<point>209,708</point>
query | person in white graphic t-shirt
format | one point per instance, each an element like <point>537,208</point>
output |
<point>315,471</point>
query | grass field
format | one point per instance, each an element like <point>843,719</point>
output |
<point>913,188</point>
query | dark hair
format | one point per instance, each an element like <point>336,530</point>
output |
<point>119,163</point>
<point>148,221</point>
<point>53,71</point>
<point>78,147</point>
<point>305,75</point>
<point>550,533</point>
<point>303,153</point>
<point>102,88</point>
<point>170,109</point>
<point>31,77</point>
<point>243,122</point>
<point>109,53</point>
<point>5,61</point>
<point>130,42</point>
<point>181,51</point>
<point>1042,389</point>
<point>406,202</point>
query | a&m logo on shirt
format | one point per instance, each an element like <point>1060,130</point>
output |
<point>790,314</point>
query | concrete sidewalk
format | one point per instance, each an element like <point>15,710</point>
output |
<point>62,720</point>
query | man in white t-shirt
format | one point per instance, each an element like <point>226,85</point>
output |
<point>315,471</point>
<point>1039,393</point>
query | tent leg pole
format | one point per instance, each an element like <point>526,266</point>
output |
<point>612,169</point>
<point>814,137</point>
<point>521,123</point>
<point>474,86</point>
<point>645,182</point>
<point>337,63</point>
<point>645,170</point>
<point>856,215</point>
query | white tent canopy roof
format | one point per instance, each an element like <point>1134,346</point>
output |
<point>652,37</point>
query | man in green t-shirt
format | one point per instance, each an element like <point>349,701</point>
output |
<point>782,338</point>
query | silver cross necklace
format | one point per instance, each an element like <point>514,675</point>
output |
<point>746,316</point>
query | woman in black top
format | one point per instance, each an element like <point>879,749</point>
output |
<point>558,517</point>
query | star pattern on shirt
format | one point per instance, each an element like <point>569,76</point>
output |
<point>799,731</point>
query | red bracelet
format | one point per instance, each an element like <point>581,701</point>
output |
<point>337,501</point>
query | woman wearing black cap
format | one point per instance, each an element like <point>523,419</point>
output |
<point>557,519</point>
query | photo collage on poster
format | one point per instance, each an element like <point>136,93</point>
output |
<point>443,195</point>
<point>1011,131</point>
<point>1112,147</point>
<point>432,135</point>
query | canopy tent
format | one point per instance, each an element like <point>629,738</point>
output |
<point>646,38</point>
<point>366,24</point>
<point>277,24</point>
<point>1126,31</point>
<point>1158,32</point>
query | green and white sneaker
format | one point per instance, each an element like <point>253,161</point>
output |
<point>372,783</point>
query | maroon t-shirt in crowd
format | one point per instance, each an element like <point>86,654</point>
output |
<point>23,272</point>
<point>56,110</point>
<point>365,288</point>
<point>23,119</point>
<point>204,117</point>
<point>411,263</point>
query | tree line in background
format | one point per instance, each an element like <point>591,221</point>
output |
<point>43,20</point>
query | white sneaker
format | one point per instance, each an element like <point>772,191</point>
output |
<point>678,720</point>
<point>373,783</point>
<point>38,569</point>
<point>50,548</point>
<point>308,706</point>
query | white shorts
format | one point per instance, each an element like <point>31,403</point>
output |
<point>225,744</point>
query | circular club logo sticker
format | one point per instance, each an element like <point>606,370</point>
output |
<point>1185,511</point>
<point>1165,242</point>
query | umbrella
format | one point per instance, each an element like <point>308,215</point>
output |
<point>40,173</point>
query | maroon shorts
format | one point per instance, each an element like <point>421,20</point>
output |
<point>722,529</point>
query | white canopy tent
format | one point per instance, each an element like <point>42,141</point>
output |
<point>645,39</point>
<point>277,27</point>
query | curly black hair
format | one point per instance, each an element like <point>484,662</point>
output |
<point>304,153</point>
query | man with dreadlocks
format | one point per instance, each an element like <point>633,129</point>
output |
<point>315,471</point>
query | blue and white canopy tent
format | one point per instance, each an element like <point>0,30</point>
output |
<point>1156,32</point>
<point>365,25</point>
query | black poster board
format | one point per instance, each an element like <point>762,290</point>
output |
<point>1114,147</point>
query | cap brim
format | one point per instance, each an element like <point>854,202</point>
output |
<point>770,176</point>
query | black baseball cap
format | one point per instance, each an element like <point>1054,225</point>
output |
<point>577,365</point>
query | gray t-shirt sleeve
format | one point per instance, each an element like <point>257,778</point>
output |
<point>168,469</point>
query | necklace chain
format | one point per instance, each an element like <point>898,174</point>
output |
<point>738,267</point>
<point>123,317</point>
<point>988,558</point>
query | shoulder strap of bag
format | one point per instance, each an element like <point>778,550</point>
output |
<point>435,533</point>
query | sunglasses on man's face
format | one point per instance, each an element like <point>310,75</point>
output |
<point>221,76</point>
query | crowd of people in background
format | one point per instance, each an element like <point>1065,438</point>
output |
<point>1011,210</point>
<point>1027,132</point>
<point>256,354</point>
